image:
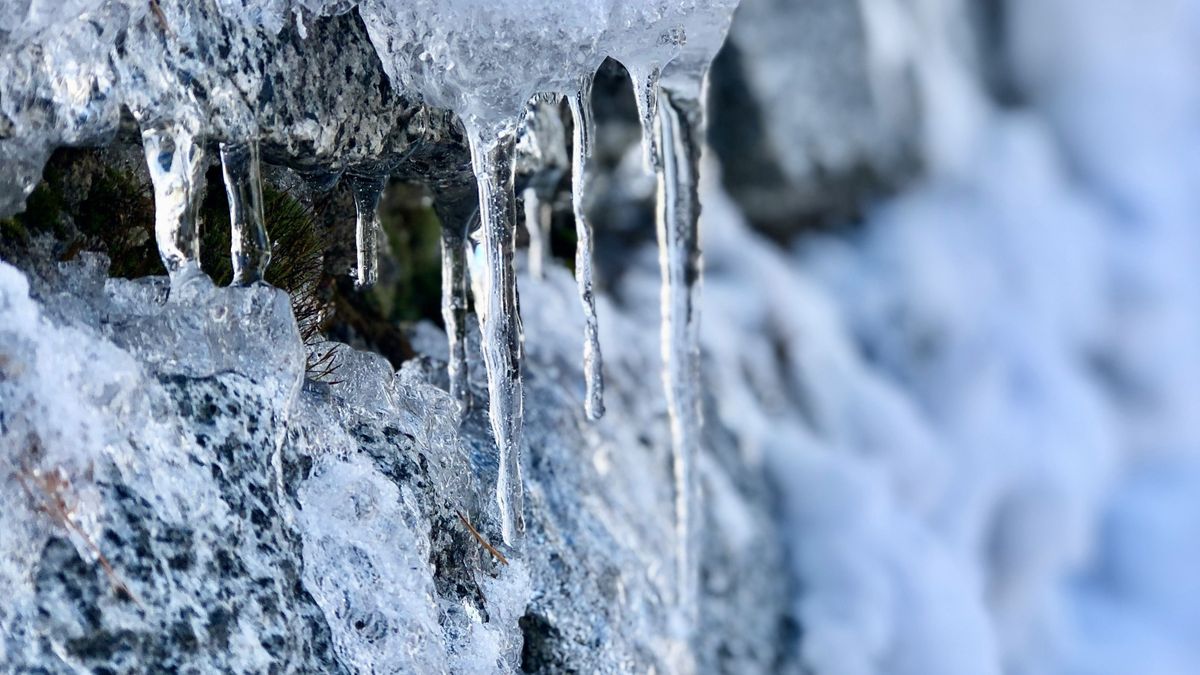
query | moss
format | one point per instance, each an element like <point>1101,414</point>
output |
<point>13,230</point>
<point>413,234</point>
<point>117,218</point>
<point>89,201</point>
<point>45,214</point>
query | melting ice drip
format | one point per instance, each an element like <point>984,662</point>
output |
<point>487,62</point>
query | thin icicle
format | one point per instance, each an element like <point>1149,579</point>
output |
<point>454,307</point>
<point>367,191</point>
<point>645,93</point>
<point>537,223</point>
<point>582,137</point>
<point>542,161</point>
<point>176,163</point>
<point>500,322</point>
<point>678,131</point>
<point>249,246</point>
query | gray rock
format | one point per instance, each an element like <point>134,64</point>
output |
<point>807,128</point>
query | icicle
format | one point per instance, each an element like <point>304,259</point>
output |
<point>500,322</point>
<point>542,159</point>
<point>678,132</point>
<point>367,191</point>
<point>582,137</point>
<point>250,248</point>
<point>454,307</point>
<point>537,223</point>
<point>645,93</point>
<point>176,163</point>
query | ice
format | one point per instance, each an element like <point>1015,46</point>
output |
<point>250,247</point>
<point>367,192</point>
<point>679,261</point>
<point>454,308</point>
<point>584,129</point>
<point>542,161</point>
<point>483,62</point>
<point>645,92</point>
<point>537,224</point>
<point>499,320</point>
<point>177,165</point>
<point>978,407</point>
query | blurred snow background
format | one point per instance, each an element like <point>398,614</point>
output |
<point>986,426</point>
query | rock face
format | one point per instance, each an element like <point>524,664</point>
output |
<point>224,511</point>
<point>811,116</point>
<point>313,93</point>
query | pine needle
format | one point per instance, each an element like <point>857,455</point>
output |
<point>479,537</point>
<point>48,492</point>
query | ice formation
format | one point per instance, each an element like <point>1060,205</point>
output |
<point>458,57</point>
<point>485,62</point>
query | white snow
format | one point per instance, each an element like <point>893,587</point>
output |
<point>985,428</point>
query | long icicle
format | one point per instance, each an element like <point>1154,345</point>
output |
<point>457,208</point>
<point>500,323</point>
<point>678,136</point>
<point>176,163</point>
<point>645,93</point>
<point>581,154</point>
<point>367,191</point>
<point>249,246</point>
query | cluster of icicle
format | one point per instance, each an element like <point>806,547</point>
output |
<point>501,67</point>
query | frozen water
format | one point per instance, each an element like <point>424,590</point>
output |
<point>177,163</point>
<point>484,62</point>
<point>250,248</point>
<point>584,129</point>
<point>367,191</point>
<point>499,323</point>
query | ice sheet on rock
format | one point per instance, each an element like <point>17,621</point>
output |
<point>485,60</point>
<point>112,429</point>
<point>381,606</point>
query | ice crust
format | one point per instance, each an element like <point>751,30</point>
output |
<point>204,471</point>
